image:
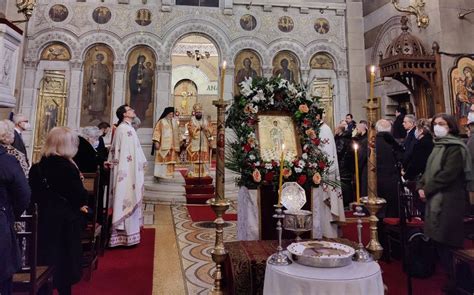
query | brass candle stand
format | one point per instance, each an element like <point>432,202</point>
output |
<point>373,203</point>
<point>219,204</point>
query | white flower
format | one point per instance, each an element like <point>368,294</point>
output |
<point>304,156</point>
<point>269,87</point>
<point>246,87</point>
<point>252,157</point>
<point>301,163</point>
<point>299,94</point>
<point>282,84</point>
<point>257,163</point>
<point>298,170</point>
<point>254,110</point>
<point>260,96</point>
<point>292,89</point>
<point>268,166</point>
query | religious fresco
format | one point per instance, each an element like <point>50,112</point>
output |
<point>101,15</point>
<point>286,65</point>
<point>322,61</point>
<point>58,13</point>
<point>285,24</point>
<point>462,88</point>
<point>97,85</point>
<point>141,70</point>
<point>247,64</point>
<point>248,22</point>
<point>321,25</point>
<point>185,96</point>
<point>274,131</point>
<point>51,108</point>
<point>56,51</point>
<point>143,17</point>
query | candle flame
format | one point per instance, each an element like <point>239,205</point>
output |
<point>224,64</point>
<point>356,146</point>
<point>283,147</point>
<point>372,69</point>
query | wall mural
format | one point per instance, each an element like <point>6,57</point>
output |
<point>462,88</point>
<point>143,17</point>
<point>141,67</point>
<point>97,85</point>
<point>247,64</point>
<point>285,24</point>
<point>321,25</point>
<point>248,22</point>
<point>58,13</point>
<point>56,51</point>
<point>286,65</point>
<point>321,60</point>
<point>101,15</point>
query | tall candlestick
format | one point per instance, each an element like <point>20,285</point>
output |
<point>280,182</point>
<point>221,86</point>
<point>372,81</point>
<point>356,159</point>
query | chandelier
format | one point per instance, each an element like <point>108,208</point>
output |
<point>26,7</point>
<point>197,55</point>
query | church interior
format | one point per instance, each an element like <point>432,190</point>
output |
<point>271,150</point>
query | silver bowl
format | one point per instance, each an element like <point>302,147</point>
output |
<point>298,222</point>
<point>322,261</point>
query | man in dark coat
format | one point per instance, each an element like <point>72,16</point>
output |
<point>410,140</point>
<point>351,124</point>
<point>21,125</point>
<point>398,130</point>
<point>14,199</point>
<point>388,154</point>
<point>361,140</point>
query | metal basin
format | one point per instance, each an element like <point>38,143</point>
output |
<point>338,255</point>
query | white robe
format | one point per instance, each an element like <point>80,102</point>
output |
<point>126,186</point>
<point>322,213</point>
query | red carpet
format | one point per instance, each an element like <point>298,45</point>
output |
<point>205,213</point>
<point>127,271</point>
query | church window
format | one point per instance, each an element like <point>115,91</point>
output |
<point>204,3</point>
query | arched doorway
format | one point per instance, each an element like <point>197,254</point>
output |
<point>194,79</point>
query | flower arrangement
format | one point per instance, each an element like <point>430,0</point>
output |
<point>260,95</point>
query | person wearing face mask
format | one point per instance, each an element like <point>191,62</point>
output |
<point>21,125</point>
<point>443,187</point>
<point>421,150</point>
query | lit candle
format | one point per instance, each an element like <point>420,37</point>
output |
<point>280,182</point>
<point>221,86</point>
<point>356,159</point>
<point>372,81</point>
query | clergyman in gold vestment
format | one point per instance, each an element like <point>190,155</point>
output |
<point>199,138</point>
<point>165,144</point>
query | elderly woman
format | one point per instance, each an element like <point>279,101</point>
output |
<point>57,188</point>
<point>91,152</point>
<point>7,136</point>
<point>443,187</point>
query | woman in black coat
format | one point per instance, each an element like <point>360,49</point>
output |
<point>57,188</point>
<point>14,198</point>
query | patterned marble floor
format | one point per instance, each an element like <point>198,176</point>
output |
<point>195,243</point>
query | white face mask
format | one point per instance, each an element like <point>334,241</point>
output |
<point>440,131</point>
<point>25,125</point>
<point>470,117</point>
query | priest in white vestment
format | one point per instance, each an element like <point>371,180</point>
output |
<point>328,207</point>
<point>127,162</point>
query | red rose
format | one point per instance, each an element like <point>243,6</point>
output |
<point>306,122</point>
<point>269,176</point>
<point>316,141</point>
<point>274,163</point>
<point>301,179</point>
<point>321,165</point>
<point>247,148</point>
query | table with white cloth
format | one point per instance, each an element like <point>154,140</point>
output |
<point>358,278</point>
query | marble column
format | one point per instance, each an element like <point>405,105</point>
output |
<point>163,85</point>
<point>118,95</point>
<point>74,98</point>
<point>29,99</point>
<point>343,95</point>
